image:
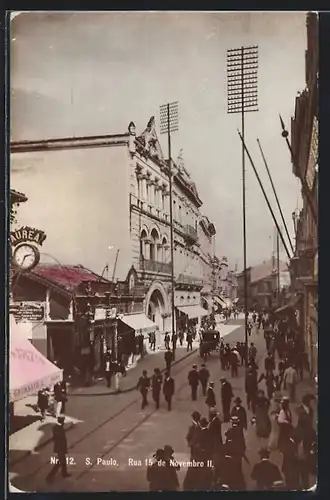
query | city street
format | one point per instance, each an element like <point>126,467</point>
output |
<point>109,449</point>
<point>180,213</point>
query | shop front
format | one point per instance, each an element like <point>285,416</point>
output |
<point>190,316</point>
<point>134,332</point>
<point>61,346</point>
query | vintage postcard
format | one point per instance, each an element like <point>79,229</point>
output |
<point>163,305</point>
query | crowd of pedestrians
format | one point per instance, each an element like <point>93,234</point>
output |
<point>215,457</point>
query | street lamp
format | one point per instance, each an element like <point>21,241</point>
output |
<point>169,122</point>
<point>242,97</point>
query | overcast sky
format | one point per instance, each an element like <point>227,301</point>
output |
<point>92,73</point>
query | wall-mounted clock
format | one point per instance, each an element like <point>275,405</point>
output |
<point>26,256</point>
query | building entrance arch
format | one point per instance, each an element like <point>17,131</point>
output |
<point>156,309</point>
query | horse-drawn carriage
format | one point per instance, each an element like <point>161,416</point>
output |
<point>209,341</point>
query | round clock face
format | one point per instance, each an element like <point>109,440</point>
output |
<point>26,256</point>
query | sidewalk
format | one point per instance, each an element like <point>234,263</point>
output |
<point>149,362</point>
<point>30,438</point>
<point>128,383</point>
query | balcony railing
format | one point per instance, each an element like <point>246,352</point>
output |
<point>191,233</point>
<point>136,291</point>
<point>189,280</point>
<point>155,266</point>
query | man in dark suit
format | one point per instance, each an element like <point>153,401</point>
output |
<point>210,396</point>
<point>193,379</point>
<point>226,397</point>
<point>156,383</point>
<point>168,390</point>
<point>239,411</point>
<point>60,397</point>
<point>189,341</point>
<point>108,367</point>
<point>143,386</point>
<point>174,342</point>
<point>193,429</point>
<point>169,357</point>
<point>215,430</point>
<point>60,449</point>
<point>204,376</point>
<point>265,473</point>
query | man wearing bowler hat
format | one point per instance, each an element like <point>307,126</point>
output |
<point>226,397</point>
<point>265,473</point>
<point>60,449</point>
<point>239,411</point>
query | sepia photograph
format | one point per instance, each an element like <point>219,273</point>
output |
<point>163,274</point>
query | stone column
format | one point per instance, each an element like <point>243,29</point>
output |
<point>47,307</point>
<point>70,318</point>
<point>147,249</point>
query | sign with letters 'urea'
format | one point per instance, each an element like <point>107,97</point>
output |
<point>25,234</point>
<point>28,311</point>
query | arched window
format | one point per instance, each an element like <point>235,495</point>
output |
<point>143,238</point>
<point>153,245</point>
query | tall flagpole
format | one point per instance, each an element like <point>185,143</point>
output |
<point>242,95</point>
<point>169,122</point>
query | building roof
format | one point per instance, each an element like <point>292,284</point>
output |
<point>266,269</point>
<point>67,277</point>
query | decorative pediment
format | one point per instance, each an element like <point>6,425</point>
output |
<point>150,140</point>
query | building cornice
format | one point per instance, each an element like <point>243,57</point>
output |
<point>178,179</point>
<point>70,143</point>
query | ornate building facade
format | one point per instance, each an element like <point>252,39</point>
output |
<point>107,206</point>
<point>304,141</point>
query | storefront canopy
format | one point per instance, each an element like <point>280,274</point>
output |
<point>291,305</point>
<point>140,323</point>
<point>193,311</point>
<point>29,370</point>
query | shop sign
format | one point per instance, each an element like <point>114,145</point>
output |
<point>28,311</point>
<point>27,234</point>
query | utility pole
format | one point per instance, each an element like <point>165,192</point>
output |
<point>278,268</point>
<point>169,122</point>
<point>242,96</point>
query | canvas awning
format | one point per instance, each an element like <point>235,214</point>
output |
<point>29,370</point>
<point>140,323</point>
<point>193,311</point>
<point>290,305</point>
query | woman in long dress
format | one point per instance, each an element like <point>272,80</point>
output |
<point>263,424</point>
